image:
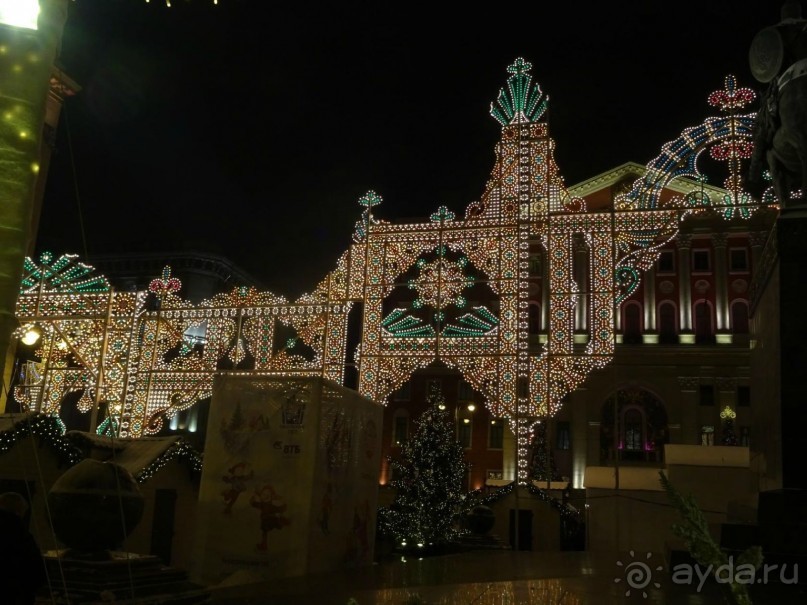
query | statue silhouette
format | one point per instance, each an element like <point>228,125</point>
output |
<point>778,55</point>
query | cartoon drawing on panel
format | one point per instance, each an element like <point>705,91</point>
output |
<point>358,543</point>
<point>236,480</point>
<point>337,444</point>
<point>270,505</point>
<point>234,432</point>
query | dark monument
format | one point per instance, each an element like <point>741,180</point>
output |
<point>94,506</point>
<point>778,57</point>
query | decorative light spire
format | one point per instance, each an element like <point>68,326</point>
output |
<point>520,102</point>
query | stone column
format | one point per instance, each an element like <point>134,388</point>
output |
<point>545,293</point>
<point>684,243</point>
<point>758,239</point>
<point>791,234</point>
<point>650,332</point>
<point>509,453</point>
<point>581,277</point>
<point>579,428</point>
<point>689,409</point>
<point>719,241</point>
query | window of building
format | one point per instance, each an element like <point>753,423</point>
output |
<point>465,391</point>
<point>464,430</point>
<point>400,429</point>
<point>666,262</point>
<point>703,323</point>
<point>701,261</point>
<point>745,436</point>
<point>738,260</point>
<point>706,394</point>
<point>707,435</point>
<point>743,396</point>
<point>496,434</point>
<point>404,392</point>
<point>667,324</point>
<point>564,436</point>
<point>535,265</point>
<point>739,317</point>
<point>634,425</point>
<point>632,323</point>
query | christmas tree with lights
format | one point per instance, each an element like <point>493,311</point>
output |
<point>542,462</point>
<point>429,477</point>
<point>729,436</point>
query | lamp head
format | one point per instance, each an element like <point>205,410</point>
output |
<point>31,336</point>
<point>19,13</point>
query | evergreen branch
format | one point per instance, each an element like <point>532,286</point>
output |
<point>694,530</point>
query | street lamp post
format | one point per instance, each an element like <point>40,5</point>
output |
<point>30,34</point>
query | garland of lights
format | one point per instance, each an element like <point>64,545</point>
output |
<point>152,366</point>
<point>566,511</point>
<point>181,451</point>
<point>48,429</point>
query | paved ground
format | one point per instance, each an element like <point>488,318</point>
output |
<point>499,578</point>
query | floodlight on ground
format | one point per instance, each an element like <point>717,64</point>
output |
<point>19,13</point>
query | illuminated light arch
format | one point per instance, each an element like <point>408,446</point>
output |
<point>141,353</point>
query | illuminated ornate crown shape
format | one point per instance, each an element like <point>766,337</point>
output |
<point>525,182</point>
<point>520,102</point>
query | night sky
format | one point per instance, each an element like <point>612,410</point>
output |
<point>250,129</point>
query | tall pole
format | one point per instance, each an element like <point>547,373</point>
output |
<point>26,59</point>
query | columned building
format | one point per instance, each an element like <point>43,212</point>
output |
<point>682,354</point>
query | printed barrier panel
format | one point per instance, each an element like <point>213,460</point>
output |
<point>290,479</point>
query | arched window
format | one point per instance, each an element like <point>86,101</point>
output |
<point>667,324</point>
<point>704,334</point>
<point>632,323</point>
<point>739,317</point>
<point>633,428</point>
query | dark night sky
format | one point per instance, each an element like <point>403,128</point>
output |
<point>250,129</point>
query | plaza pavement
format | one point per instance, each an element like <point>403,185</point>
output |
<point>497,578</point>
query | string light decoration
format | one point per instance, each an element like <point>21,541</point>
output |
<point>568,514</point>
<point>169,5</point>
<point>729,437</point>
<point>150,363</point>
<point>181,451</point>
<point>65,274</point>
<point>48,429</point>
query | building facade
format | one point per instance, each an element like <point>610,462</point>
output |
<point>682,355</point>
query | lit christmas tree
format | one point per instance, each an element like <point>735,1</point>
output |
<point>728,415</point>
<point>542,459</point>
<point>429,478</point>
